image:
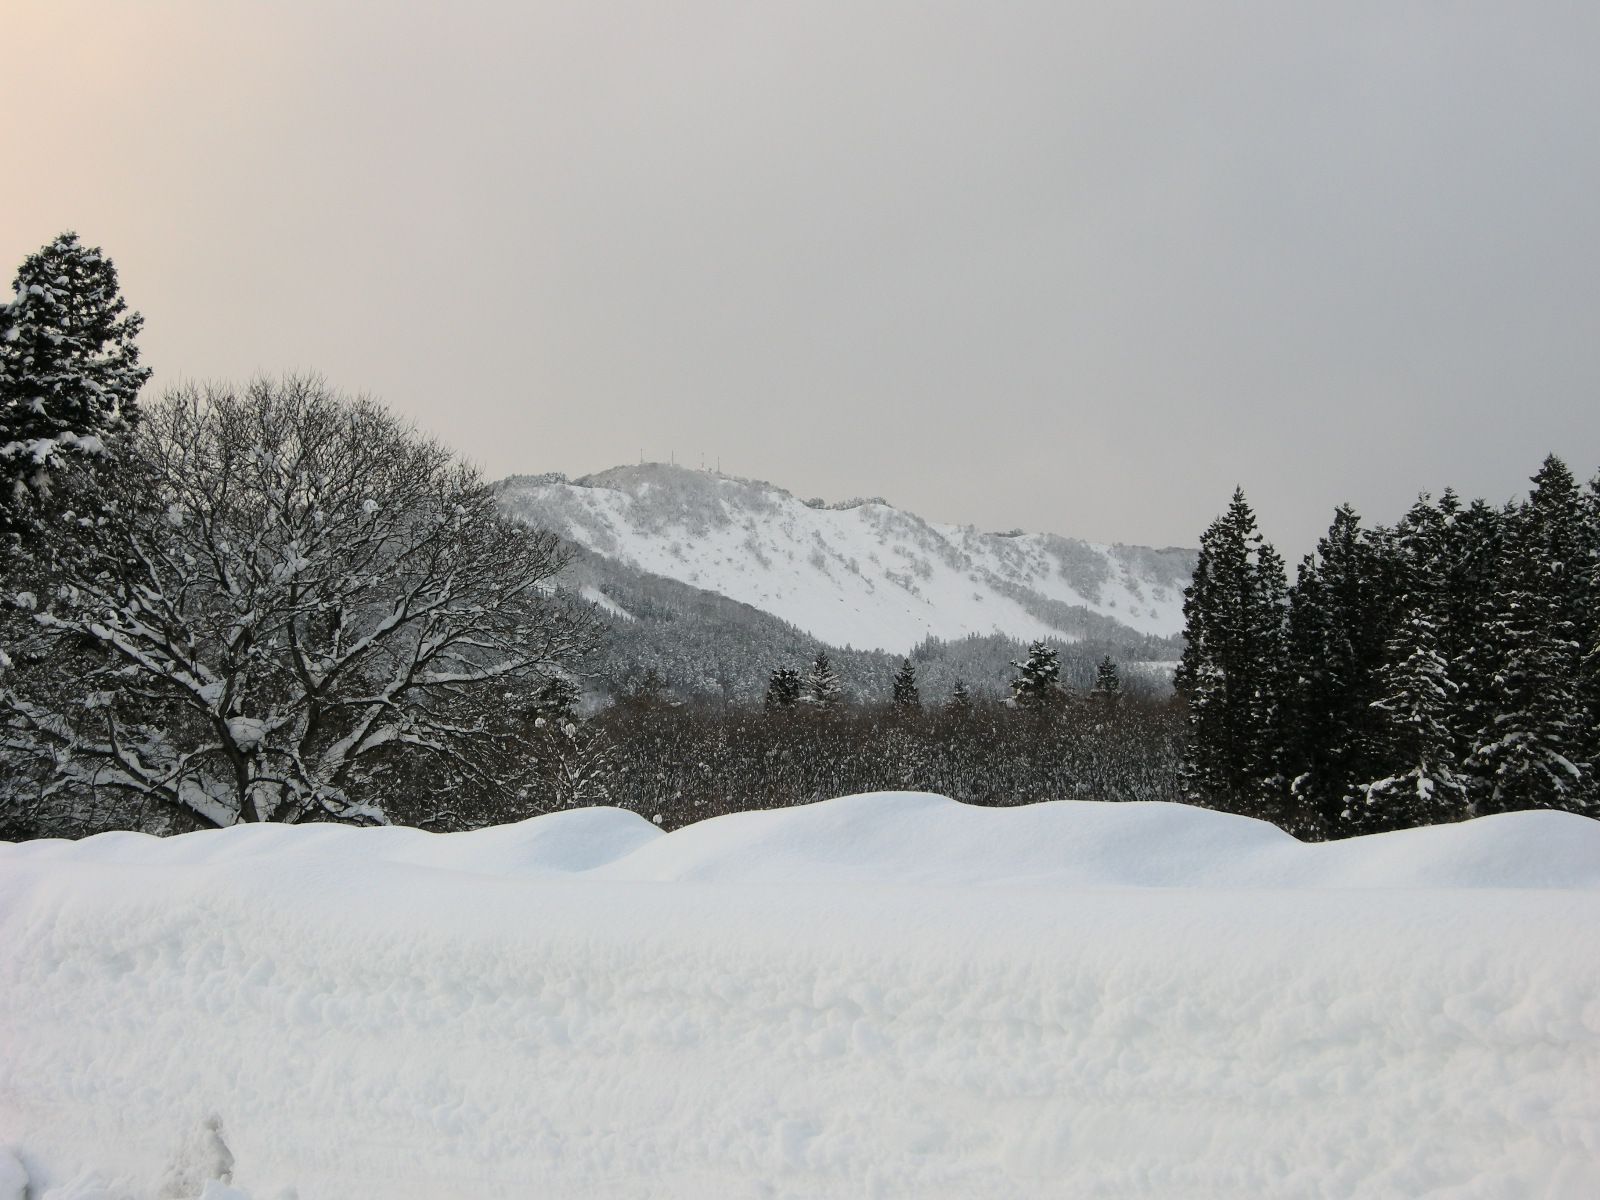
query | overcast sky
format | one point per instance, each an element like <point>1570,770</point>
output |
<point>1070,267</point>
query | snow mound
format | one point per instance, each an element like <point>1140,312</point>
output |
<point>919,838</point>
<point>889,995</point>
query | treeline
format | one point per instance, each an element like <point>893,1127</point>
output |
<point>718,651</point>
<point>1442,668</point>
<point>679,763</point>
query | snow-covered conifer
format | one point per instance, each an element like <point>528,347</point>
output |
<point>822,683</point>
<point>906,694</point>
<point>1107,681</point>
<point>1231,670</point>
<point>69,370</point>
<point>783,688</point>
<point>1530,752</point>
<point>1038,688</point>
<point>1342,612</point>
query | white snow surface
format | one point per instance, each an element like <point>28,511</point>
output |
<point>886,995</point>
<point>869,576</point>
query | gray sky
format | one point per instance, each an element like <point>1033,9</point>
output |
<point>1070,267</point>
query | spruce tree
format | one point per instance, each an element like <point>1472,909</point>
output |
<point>556,701</point>
<point>1107,682</point>
<point>1418,779</point>
<point>1423,785</point>
<point>783,688</point>
<point>960,697</point>
<point>69,371</point>
<point>1231,672</point>
<point>1589,660</point>
<point>1530,752</point>
<point>1342,613</point>
<point>822,684</point>
<point>1474,566</point>
<point>905,686</point>
<point>1039,689</point>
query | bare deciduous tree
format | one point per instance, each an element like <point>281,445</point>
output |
<point>290,600</point>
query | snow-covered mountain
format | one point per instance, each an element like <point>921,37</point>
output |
<point>861,573</point>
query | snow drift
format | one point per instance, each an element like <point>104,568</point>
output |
<point>891,995</point>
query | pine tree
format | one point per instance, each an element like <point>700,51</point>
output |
<point>783,688</point>
<point>822,684</point>
<point>960,697</point>
<point>1039,689</point>
<point>1107,682</point>
<point>1231,673</point>
<point>905,686</point>
<point>69,372</point>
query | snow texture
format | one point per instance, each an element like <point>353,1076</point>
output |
<point>887,995</point>
<point>867,575</point>
<point>13,1179</point>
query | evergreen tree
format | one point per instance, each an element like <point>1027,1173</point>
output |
<point>650,689</point>
<point>556,700</point>
<point>1473,565</point>
<point>1589,661</point>
<point>1342,612</point>
<point>1424,785</point>
<point>783,688</point>
<point>1039,688</point>
<point>1231,673</point>
<point>1107,681</point>
<point>69,372</point>
<point>960,697</point>
<point>822,684</point>
<point>1530,752</point>
<point>905,686</point>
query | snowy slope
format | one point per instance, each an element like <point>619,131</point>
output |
<point>884,996</point>
<point>868,576</point>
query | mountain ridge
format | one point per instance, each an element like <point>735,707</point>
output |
<point>859,573</point>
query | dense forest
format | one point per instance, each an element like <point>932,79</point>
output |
<point>1443,668</point>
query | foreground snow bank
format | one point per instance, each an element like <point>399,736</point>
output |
<point>889,995</point>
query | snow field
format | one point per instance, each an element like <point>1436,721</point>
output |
<point>889,995</point>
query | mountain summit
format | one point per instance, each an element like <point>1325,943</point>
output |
<point>860,573</point>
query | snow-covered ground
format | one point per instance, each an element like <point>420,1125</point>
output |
<point>889,995</point>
